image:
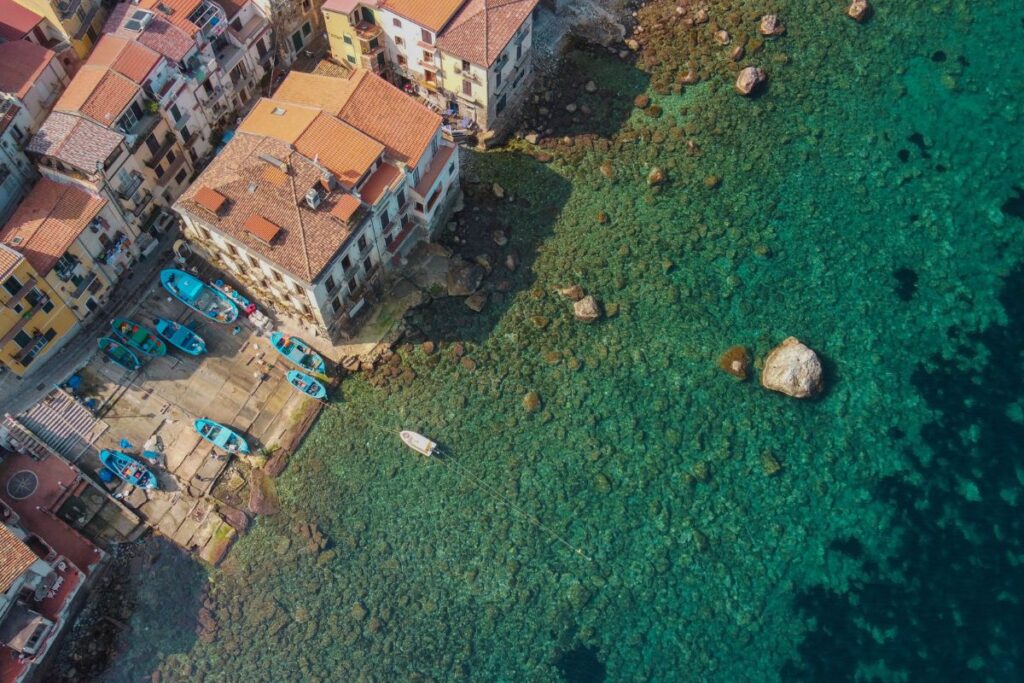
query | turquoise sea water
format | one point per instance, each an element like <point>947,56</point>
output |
<point>866,205</point>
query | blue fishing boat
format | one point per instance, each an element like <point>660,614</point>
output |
<point>181,337</point>
<point>221,437</point>
<point>119,353</point>
<point>306,384</point>
<point>240,299</point>
<point>298,352</point>
<point>199,296</point>
<point>129,469</point>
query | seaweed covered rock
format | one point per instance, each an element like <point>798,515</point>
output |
<point>262,499</point>
<point>587,310</point>
<point>736,361</point>
<point>859,10</point>
<point>750,80</point>
<point>771,26</point>
<point>793,369</point>
<point>464,278</point>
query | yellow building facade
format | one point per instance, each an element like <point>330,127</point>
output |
<point>354,34</point>
<point>34,321</point>
<point>81,21</point>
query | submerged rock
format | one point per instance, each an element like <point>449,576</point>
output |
<point>464,278</point>
<point>859,10</point>
<point>736,361</point>
<point>498,190</point>
<point>572,292</point>
<point>587,310</point>
<point>793,369</point>
<point>531,401</point>
<point>770,464</point>
<point>749,80</point>
<point>476,302</point>
<point>655,177</point>
<point>262,500</point>
<point>771,26</point>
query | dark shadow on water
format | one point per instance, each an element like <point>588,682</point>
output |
<point>948,605</point>
<point>534,198</point>
<point>581,665</point>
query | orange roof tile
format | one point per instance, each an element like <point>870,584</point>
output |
<point>9,260</point>
<point>261,228</point>
<point>48,220</point>
<point>15,558</point>
<point>343,150</point>
<point>377,184</point>
<point>346,207</point>
<point>180,11</point>
<point>211,200</point>
<point>313,90</point>
<point>391,117</point>
<point>482,29</point>
<point>430,14</point>
<point>281,120</point>
<point>128,58</point>
<point>16,21</point>
<point>23,62</point>
<point>99,93</point>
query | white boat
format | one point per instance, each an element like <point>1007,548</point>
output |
<point>419,443</point>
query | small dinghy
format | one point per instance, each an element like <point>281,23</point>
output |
<point>138,337</point>
<point>128,469</point>
<point>240,299</point>
<point>119,353</point>
<point>298,352</point>
<point>419,443</point>
<point>307,384</point>
<point>221,437</point>
<point>181,337</point>
<point>199,296</point>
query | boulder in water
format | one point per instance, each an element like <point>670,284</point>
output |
<point>464,278</point>
<point>771,26</point>
<point>736,361</point>
<point>587,309</point>
<point>793,369</point>
<point>749,80</point>
<point>859,10</point>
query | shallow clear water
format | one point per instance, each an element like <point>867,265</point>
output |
<point>867,206</point>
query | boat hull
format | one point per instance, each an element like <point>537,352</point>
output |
<point>128,469</point>
<point>222,437</point>
<point>119,353</point>
<point>138,337</point>
<point>180,337</point>
<point>298,353</point>
<point>419,443</point>
<point>307,385</point>
<point>208,301</point>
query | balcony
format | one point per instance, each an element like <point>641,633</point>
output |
<point>180,123</point>
<point>87,21</point>
<point>128,189</point>
<point>135,135</point>
<point>118,250</point>
<point>367,31</point>
<point>67,8</point>
<point>210,19</point>
<point>158,155</point>
<point>142,203</point>
<point>171,171</point>
<point>84,283</point>
<point>21,294</point>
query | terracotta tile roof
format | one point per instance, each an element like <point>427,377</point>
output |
<point>211,200</point>
<point>99,93</point>
<point>343,150</point>
<point>261,228</point>
<point>16,21</point>
<point>22,63</point>
<point>313,90</point>
<point>180,11</point>
<point>391,117</point>
<point>231,7</point>
<point>346,207</point>
<point>309,239</point>
<point>15,558</point>
<point>377,184</point>
<point>160,35</point>
<point>482,29</point>
<point>48,221</point>
<point>75,140</point>
<point>282,120</point>
<point>9,260</point>
<point>430,14</point>
<point>126,57</point>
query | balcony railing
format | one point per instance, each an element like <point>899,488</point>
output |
<point>158,155</point>
<point>128,189</point>
<point>138,133</point>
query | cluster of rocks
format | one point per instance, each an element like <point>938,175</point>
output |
<point>791,368</point>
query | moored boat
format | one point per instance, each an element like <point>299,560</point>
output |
<point>138,337</point>
<point>199,296</point>
<point>119,353</point>
<point>222,437</point>
<point>181,337</point>
<point>298,352</point>
<point>128,469</point>
<point>307,384</point>
<point>419,443</point>
<point>243,302</point>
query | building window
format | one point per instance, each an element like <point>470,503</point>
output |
<point>451,168</point>
<point>91,303</point>
<point>175,113</point>
<point>306,6</point>
<point>182,174</point>
<point>12,285</point>
<point>501,104</point>
<point>329,283</point>
<point>348,40</point>
<point>351,59</point>
<point>467,87</point>
<point>427,37</point>
<point>362,244</point>
<point>497,80</point>
<point>388,239</point>
<point>306,29</point>
<point>396,22</point>
<point>352,284</point>
<point>296,288</point>
<point>519,51</point>
<point>385,220</point>
<point>48,306</point>
<point>152,144</point>
<point>171,157</point>
<point>336,304</point>
<point>253,262</point>
<point>277,276</point>
<point>465,65</point>
<point>401,60</point>
<point>232,250</point>
<point>368,264</point>
<point>22,339</point>
<point>433,199</point>
<point>346,263</point>
<point>399,41</point>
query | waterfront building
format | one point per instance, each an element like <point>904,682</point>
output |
<point>79,22</point>
<point>78,247</point>
<point>471,59</point>
<point>16,172</point>
<point>324,189</point>
<point>33,77</point>
<point>34,321</point>
<point>22,20</point>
